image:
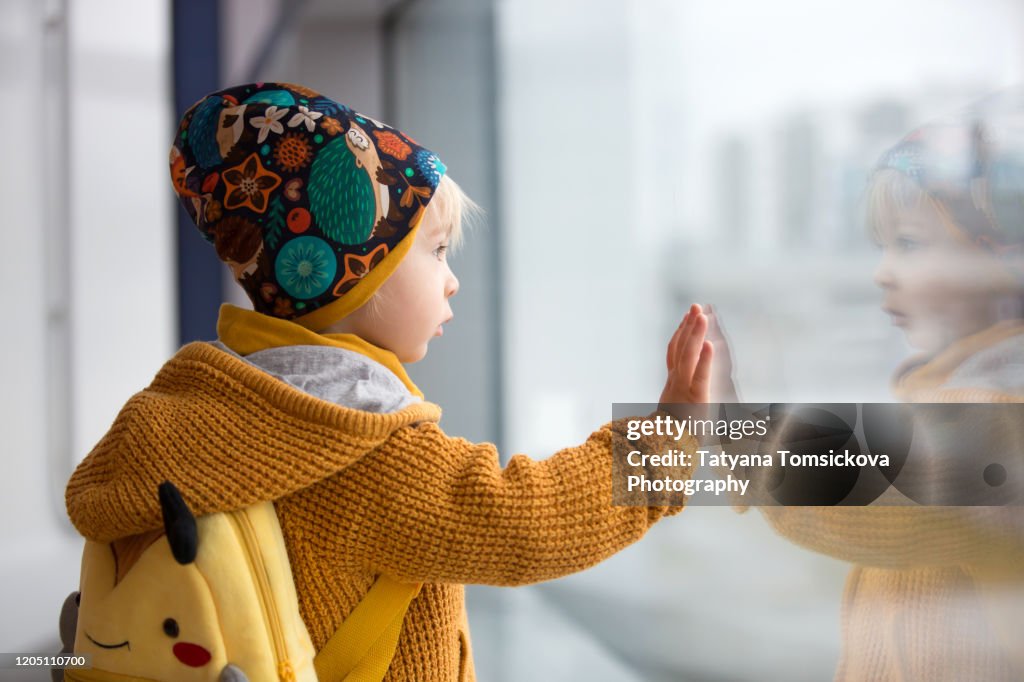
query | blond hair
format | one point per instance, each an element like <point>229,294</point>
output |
<point>454,209</point>
<point>892,194</point>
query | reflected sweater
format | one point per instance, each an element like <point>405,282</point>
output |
<point>358,494</point>
<point>937,593</point>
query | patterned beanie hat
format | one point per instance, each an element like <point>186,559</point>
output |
<point>974,167</point>
<point>311,204</point>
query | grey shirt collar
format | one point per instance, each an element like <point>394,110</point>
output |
<point>334,374</point>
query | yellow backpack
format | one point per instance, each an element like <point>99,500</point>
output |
<point>212,600</point>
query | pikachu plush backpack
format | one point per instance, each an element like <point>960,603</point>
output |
<point>211,599</point>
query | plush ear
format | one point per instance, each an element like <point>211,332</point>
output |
<point>179,523</point>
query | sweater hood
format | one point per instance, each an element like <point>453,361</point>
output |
<point>228,435</point>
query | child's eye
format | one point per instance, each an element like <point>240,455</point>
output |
<point>440,251</point>
<point>907,244</point>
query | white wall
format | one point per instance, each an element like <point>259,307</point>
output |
<point>87,267</point>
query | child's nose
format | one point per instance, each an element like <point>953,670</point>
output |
<point>883,275</point>
<point>452,285</point>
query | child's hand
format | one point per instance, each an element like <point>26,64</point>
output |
<point>689,361</point>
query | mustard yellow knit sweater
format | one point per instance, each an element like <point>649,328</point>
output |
<point>936,593</point>
<point>358,494</point>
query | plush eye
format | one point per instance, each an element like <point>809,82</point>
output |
<point>171,627</point>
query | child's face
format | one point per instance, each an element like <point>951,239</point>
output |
<point>413,302</point>
<point>937,287</point>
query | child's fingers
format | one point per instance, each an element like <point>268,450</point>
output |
<point>702,373</point>
<point>672,355</point>
<point>691,344</point>
<point>673,345</point>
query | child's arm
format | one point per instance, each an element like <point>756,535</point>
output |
<point>428,507</point>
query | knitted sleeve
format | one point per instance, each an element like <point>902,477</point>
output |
<point>427,507</point>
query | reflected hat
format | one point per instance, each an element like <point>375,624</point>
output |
<point>974,167</point>
<point>310,204</point>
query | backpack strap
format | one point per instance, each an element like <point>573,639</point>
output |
<point>363,646</point>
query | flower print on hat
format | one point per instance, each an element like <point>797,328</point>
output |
<point>249,184</point>
<point>302,197</point>
<point>305,117</point>
<point>305,267</point>
<point>270,122</point>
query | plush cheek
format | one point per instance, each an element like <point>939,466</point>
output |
<point>191,655</point>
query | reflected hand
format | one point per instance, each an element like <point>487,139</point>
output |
<point>723,387</point>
